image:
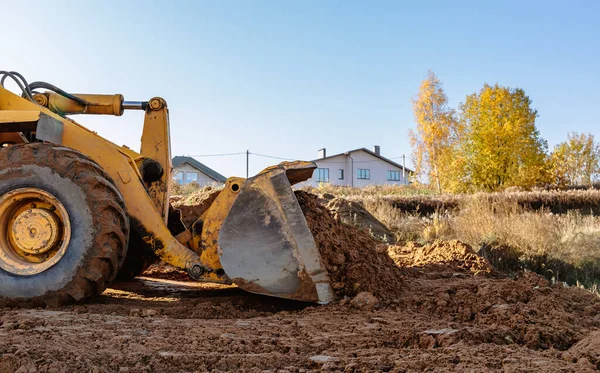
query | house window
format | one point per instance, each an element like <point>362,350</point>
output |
<point>191,177</point>
<point>322,175</point>
<point>341,174</point>
<point>363,173</point>
<point>393,175</point>
<point>179,177</point>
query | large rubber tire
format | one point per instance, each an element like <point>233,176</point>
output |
<point>99,223</point>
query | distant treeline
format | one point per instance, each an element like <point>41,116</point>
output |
<point>556,201</point>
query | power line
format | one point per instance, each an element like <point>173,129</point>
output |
<point>240,153</point>
<point>279,158</point>
<point>215,155</point>
<point>273,157</point>
<point>345,162</point>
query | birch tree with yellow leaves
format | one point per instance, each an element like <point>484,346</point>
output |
<point>576,161</point>
<point>435,137</point>
<point>502,146</point>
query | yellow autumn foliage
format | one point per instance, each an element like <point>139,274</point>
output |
<point>501,146</point>
<point>434,140</point>
<point>575,161</point>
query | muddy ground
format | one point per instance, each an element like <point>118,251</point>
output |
<point>447,322</point>
<point>439,307</point>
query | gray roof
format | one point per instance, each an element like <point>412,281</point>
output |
<point>369,152</point>
<point>179,160</point>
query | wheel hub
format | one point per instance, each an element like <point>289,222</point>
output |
<point>35,231</point>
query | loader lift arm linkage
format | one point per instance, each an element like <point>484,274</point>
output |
<point>254,233</point>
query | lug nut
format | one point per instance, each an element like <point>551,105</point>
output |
<point>197,270</point>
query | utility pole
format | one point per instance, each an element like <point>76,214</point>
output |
<point>247,161</point>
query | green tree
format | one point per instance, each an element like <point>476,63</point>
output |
<point>575,161</point>
<point>501,145</point>
<point>435,137</point>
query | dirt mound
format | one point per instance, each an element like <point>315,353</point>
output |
<point>194,204</point>
<point>194,198</point>
<point>440,256</point>
<point>350,255</point>
<point>166,272</point>
<point>353,213</point>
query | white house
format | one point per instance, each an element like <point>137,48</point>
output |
<point>188,170</point>
<point>358,168</point>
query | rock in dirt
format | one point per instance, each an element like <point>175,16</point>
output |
<point>364,301</point>
<point>135,312</point>
<point>584,365</point>
<point>149,312</point>
<point>323,358</point>
<point>350,255</point>
<point>440,256</point>
<point>353,213</point>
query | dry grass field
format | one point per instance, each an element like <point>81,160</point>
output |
<point>554,233</point>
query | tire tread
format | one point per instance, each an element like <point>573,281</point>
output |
<point>105,256</point>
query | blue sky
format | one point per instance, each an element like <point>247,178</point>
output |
<point>286,78</point>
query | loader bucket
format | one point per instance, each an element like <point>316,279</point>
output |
<point>265,245</point>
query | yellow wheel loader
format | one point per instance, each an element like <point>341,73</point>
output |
<point>77,211</point>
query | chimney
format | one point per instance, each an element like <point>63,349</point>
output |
<point>376,149</point>
<point>322,153</point>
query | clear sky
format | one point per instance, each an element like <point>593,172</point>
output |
<point>287,78</point>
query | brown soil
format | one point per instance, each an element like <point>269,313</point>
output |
<point>588,348</point>
<point>166,272</point>
<point>350,255</point>
<point>459,323</point>
<point>439,313</point>
<point>195,204</point>
<point>354,213</point>
<point>445,255</point>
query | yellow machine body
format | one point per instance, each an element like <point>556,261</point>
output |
<point>224,244</point>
